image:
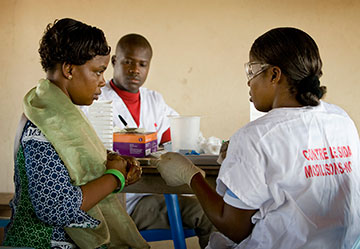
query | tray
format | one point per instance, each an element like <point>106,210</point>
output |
<point>203,159</point>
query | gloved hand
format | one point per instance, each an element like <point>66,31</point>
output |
<point>176,169</point>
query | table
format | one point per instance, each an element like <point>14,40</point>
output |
<point>150,182</point>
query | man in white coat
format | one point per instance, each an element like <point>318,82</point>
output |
<point>144,108</point>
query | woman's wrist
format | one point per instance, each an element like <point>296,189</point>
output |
<point>120,177</point>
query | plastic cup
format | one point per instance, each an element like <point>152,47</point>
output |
<point>101,118</point>
<point>184,132</point>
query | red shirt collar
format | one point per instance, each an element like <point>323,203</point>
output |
<point>125,95</point>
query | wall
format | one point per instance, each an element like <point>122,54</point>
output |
<point>200,47</point>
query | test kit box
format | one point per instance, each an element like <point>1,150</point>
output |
<point>135,144</point>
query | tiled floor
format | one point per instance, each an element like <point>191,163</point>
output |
<point>191,243</point>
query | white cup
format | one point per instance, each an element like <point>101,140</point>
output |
<point>184,132</point>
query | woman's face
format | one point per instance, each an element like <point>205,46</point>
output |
<point>87,79</point>
<point>262,92</point>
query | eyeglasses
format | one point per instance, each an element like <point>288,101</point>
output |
<point>254,68</point>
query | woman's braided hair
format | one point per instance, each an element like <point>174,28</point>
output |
<point>71,41</point>
<point>297,55</point>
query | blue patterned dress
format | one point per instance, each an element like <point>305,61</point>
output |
<point>45,201</point>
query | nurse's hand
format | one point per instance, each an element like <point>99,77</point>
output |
<point>176,169</point>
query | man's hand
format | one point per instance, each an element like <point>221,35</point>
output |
<point>176,169</point>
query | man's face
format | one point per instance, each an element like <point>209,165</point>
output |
<point>131,67</point>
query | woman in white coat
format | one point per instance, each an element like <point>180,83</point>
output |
<point>290,178</point>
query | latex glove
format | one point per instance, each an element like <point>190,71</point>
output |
<point>176,169</point>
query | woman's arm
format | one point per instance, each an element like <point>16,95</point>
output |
<point>232,222</point>
<point>56,201</point>
<point>98,189</point>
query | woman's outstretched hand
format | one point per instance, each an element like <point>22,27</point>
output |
<point>127,165</point>
<point>134,170</point>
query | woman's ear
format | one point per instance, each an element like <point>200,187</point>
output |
<point>275,74</point>
<point>66,69</point>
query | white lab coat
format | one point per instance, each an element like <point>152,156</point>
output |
<point>283,165</point>
<point>153,110</point>
<point>153,117</point>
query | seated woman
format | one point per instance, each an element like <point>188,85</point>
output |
<point>290,178</point>
<point>64,176</point>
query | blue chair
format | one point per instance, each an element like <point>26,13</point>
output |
<point>4,222</point>
<point>176,233</point>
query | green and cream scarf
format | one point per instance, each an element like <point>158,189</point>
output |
<point>84,156</point>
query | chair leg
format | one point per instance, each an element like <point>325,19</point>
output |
<point>177,230</point>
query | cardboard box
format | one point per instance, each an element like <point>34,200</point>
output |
<point>135,144</point>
